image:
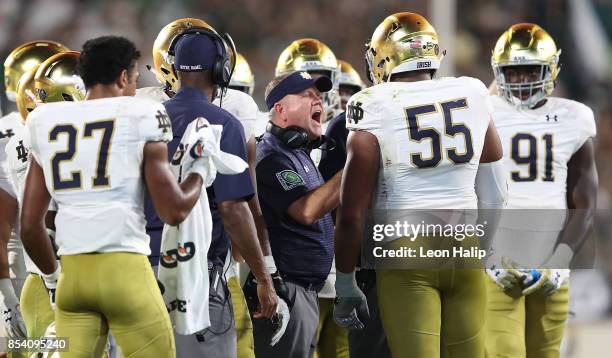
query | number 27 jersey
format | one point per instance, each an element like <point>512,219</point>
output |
<point>91,153</point>
<point>431,135</point>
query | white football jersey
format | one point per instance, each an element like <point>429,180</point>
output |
<point>10,125</point>
<point>538,144</point>
<point>431,135</point>
<point>243,107</point>
<point>91,153</point>
<point>155,93</point>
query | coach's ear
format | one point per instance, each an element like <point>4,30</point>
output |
<point>122,80</point>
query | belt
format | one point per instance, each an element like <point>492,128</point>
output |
<point>308,286</point>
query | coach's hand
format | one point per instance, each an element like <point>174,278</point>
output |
<point>267,298</point>
<point>351,305</point>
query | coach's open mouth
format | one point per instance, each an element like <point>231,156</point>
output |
<point>316,116</point>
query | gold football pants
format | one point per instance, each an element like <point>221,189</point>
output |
<point>115,290</point>
<point>525,326</point>
<point>332,339</point>
<point>245,346</point>
<point>433,312</point>
<point>35,306</point>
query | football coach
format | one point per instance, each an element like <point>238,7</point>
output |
<point>296,204</point>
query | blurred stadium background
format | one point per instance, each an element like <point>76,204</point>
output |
<point>468,30</point>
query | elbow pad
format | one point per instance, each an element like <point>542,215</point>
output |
<point>491,186</point>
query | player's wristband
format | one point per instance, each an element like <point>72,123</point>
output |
<point>51,279</point>
<point>270,265</point>
<point>346,285</point>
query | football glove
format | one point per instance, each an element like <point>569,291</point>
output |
<point>11,314</point>
<point>505,279</point>
<point>350,305</point>
<point>502,272</point>
<point>281,319</point>
<point>548,281</point>
<point>50,281</point>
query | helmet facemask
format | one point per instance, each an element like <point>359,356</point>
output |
<point>525,94</point>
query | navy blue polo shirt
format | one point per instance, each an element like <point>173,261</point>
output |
<point>332,161</point>
<point>184,107</point>
<point>302,253</point>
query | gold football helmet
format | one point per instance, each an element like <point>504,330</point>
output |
<point>24,58</point>
<point>402,42</point>
<point>348,75</point>
<point>242,78</point>
<point>57,80</point>
<point>526,45</point>
<point>26,93</point>
<point>350,82</point>
<point>162,61</point>
<point>313,56</point>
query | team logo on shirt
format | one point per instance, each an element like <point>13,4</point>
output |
<point>171,258</point>
<point>163,122</point>
<point>22,152</point>
<point>289,179</point>
<point>354,112</point>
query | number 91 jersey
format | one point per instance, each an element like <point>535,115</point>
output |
<point>431,134</point>
<point>91,153</point>
<point>538,144</point>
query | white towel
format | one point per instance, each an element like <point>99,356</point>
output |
<point>183,269</point>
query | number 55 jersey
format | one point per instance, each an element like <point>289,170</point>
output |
<point>91,153</point>
<point>431,135</point>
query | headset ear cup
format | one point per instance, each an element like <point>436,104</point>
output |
<point>217,70</point>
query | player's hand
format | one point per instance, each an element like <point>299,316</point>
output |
<point>15,327</point>
<point>350,305</point>
<point>268,300</point>
<point>11,314</point>
<point>548,281</point>
<point>50,281</point>
<point>502,271</point>
<point>505,279</point>
<point>280,320</point>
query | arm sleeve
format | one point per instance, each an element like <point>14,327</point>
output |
<point>239,186</point>
<point>278,183</point>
